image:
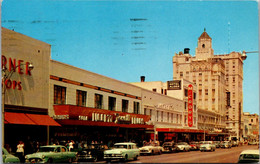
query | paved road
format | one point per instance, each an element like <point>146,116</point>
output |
<point>219,156</point>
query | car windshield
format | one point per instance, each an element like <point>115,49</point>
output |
<point>46,149</point>
<point>120,146</point>
<point>167,144</point>
<point>251,156</point>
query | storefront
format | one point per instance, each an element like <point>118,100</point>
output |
<point>90,124</point>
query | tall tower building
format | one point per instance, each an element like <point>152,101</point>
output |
<point>219,85</point>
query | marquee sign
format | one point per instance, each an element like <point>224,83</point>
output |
<point>190,105</point>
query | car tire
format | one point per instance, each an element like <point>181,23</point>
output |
<point>49,160</point>
<point>136,157</point>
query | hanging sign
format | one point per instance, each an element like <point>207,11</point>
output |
<point>190,105</point>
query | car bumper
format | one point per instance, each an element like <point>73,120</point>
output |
<point>205,148</point>
<point>113,157</point>
<point>85,158</point>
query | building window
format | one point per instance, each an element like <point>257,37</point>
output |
<point>98,101</point>
<point>154,90</point>
<point>206,91</point>
<point>185,105</point>
<point>145,112</point>
<point>59,94</point>
<point>157,116</point>
<point>81,98</point>
<point>161,91</point>
<point>168,117</point>
<point>124,105</point>
<point>112,103</point>
<point>181,74</point>
<point>186,92</point>
<point>162,116</point>
<point>136,107</point>
<point>165,91</point>
<point>194,96</point>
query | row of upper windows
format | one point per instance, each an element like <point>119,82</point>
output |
<point>81,100</point>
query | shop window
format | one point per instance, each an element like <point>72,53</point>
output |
<point>59,94</point>
<point>81,98</point>
<point>98,101</point>
<point>112,103</point>
<point>124,105</point>
<point>136,107</point>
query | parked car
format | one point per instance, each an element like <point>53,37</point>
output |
<point>225,144</point>
<point>217,143</point>
<point>207,146</point>
<point>122,151</point>
<point>150,149</point>
<point>93,152</point>
<point>249,156</point>
<point>51,154</point>
<point>194,145</point>
<point>234,143</point>
<point>183,146</point>
<point>9,158</point>
<point>169,147</point>
<point>252,143</point>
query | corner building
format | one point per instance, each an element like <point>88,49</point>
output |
<point>219,86</point>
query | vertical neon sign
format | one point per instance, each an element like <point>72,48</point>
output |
<point>190,105</point>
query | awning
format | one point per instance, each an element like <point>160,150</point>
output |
<point>42,120</point>
<point>18,118</point>
<point>29,119</point>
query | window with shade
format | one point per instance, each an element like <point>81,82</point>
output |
<point>81,98</point>
<point>136,107</point>
<point>98,101</point>
<point>124,105</point>
<point>112,103</point>
<point>59,94</point>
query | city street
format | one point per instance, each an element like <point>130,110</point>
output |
<point>219,156</point>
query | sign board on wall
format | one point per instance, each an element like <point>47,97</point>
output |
<point>174,85</point>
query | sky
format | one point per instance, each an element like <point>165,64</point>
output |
<point>128,39</point>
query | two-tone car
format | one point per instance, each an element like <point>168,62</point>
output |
<point>183,146</point>
<point>151,149</point>
<point>225,144</point>
<point>122,151</point>
<point>207,146</point>
<point>169,147</point>
<point>92,153</point>
<point>51,154</point>
<point>194,145</point>
<point>9,158</point>
<point>249,156</point>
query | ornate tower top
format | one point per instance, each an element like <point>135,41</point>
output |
<point>204,49</point>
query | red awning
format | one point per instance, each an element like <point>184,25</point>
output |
<point>29,119</point>
<point>18,118</point>
<point>42,120</point>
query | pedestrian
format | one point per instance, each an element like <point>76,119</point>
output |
<point>20,151</point>
<point>71,145</point>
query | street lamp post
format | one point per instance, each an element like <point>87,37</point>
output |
<point>5,76</point>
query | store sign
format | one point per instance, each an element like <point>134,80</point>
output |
<point>13,65</point>
<point>190,105</point>
<point>174,85</point>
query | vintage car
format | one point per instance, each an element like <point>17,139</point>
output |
<point>217,143</point>
<point>249,156</point>
<point>9,158</point>
<point>122,151</point>
<point>150,149</point>
<point>93,152</point>
<point>225,144</point>
<point>51,154</point>
<point>207,146</point>
<point>183,146</point>
<point>169,147</point>
<point>234,143</point>
<point>252,143</point>
<point>194,145</point>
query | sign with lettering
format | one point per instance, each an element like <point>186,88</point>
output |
<point>174,85</point>
<point>190,105</point>
<point>13,65</point>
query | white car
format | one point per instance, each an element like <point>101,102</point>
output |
<point>122,151</point>
<point>183,146</point>
<point>207,146</point>
<point>249,156</point>
<point>151,148</point>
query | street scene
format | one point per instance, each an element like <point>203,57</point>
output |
<point>129,81</point>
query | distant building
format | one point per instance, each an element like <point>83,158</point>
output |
<point>251,126</point>
<point>219,80</point>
